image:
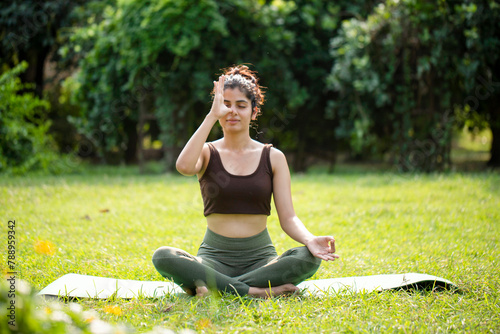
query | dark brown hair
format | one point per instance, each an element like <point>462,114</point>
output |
<point>246,80</point>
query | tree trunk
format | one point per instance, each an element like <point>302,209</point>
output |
<point>140,134</point>
<point>36,65</point>
<point>130,128</point>
<point>494,111</point>
<point>299,161</point>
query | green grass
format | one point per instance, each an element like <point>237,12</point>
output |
<point>108,222</point>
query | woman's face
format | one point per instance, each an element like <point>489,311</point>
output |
<point>241,110</point>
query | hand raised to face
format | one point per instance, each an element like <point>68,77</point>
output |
<point>219,109</point>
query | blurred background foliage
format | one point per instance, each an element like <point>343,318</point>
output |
<point>129,80</point>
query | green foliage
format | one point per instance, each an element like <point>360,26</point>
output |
<point>403,71</point>
<point>163,55</point>
<point>30,32</point>
<point>24,142</point>
<point>401,74</point>
<point>143,54</point>
<point>294,62</point>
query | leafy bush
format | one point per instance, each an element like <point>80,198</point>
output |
<point>25,144</point>
<point>403,73</point>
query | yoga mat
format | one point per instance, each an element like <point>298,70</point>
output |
<point>375,283</point>
<point>85,286</point>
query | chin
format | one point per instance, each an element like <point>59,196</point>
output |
<point>237,126</point>
<point>232,128</point>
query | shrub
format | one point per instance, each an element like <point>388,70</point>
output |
<point>25,144</point>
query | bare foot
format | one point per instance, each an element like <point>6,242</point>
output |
<point>285,289</point>
<point>202,291</point>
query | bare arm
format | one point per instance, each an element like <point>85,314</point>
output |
<point>322,247</point>
<point>191,159</point>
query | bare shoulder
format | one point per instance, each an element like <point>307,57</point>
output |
<point>205,148</point>
<point>278,159</point>
<point>277,153</point>
<point>215,143</point>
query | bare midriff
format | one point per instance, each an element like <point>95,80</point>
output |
<point>236,225</point>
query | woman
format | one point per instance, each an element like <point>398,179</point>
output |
<point>237,176</point>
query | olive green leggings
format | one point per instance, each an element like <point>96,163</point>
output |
<point>235,264</point>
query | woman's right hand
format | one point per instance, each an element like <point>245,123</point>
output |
<point>219,109</point>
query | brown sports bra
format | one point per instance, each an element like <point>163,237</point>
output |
<point>223,192</point>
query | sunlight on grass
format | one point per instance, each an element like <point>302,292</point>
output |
<point>471,146</point>
<point>109,222</point>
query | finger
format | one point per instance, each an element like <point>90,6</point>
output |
<point>328,257</point>
<point>331,257</point>
<point>328,238</point>
<point>221,84</point>
<point>331,246</point>
<point>321,256</point>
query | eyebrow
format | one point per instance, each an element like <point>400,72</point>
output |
<point>238,101</point>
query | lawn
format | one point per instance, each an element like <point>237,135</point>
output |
<point>109,221</point>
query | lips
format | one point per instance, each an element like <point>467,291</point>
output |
<point>232,121</point>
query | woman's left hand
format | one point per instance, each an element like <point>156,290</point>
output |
<point>323,247</point>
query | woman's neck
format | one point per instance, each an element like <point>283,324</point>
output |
<point>237,141</point>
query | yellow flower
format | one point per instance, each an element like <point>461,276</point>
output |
<point>113,309</point>
<point>89,316</point>
<point>45,247</point>
<point>89,319</point>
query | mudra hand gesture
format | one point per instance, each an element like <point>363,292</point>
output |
<point>323,247</point>
<point>219,109</point>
